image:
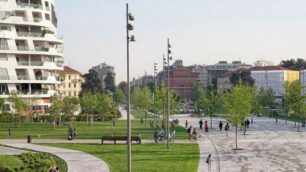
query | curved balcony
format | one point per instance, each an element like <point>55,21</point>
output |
<point>29,5</point>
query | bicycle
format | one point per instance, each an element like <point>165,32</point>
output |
<point>199,137</point>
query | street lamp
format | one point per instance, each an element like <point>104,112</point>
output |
<point>154,95</point>
<point>168,85</point>
<point>164,73</point>
<point>129,27</point>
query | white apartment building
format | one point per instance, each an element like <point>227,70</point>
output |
<point>31,52</point>
<point>273,77</point>
<point>203,74</point>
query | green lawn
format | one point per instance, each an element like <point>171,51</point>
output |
<point>45,130</point>
<point>145,158</point>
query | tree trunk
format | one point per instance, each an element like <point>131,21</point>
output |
<point>244,129</point>
<point>87,119</point>
<point>298,127</point>
<point>236,139</point>
<point>54,123</point>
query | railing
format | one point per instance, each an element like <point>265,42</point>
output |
<point>23,77</point>
<point>37,63</point>
<point>4,92</point>
<point>22,48</point>
<point>4,77</point>
<point>24,5</point>
<point>41,49</point>
<point>60,64</point>
<point>37,20</point>
<point>33,92</point>
<point>23,63</point>
<point>41,77</point>
<point>27,34</point>
<point>4,47</point>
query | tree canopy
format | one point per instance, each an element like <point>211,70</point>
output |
<point>294,64</point>
<point>110,83</point>
<point>92,83</point>
<point>243,77</point>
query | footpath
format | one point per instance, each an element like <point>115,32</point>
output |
<point>76,160</point>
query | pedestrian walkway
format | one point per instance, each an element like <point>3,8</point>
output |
<point>124,114</point>
<point>10,151</point>
<point>206,147</point>
<point>76,160</point>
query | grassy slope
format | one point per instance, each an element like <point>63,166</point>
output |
<point>45,130</point>
<point>148,158</point>
<point>10,161</point>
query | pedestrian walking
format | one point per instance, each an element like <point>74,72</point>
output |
<point>206,126</point>
<point>186,124</point>
<point>252,120</point>
<point>208,161</point>
<point>201,124</point>
<point>226,128</point>
<point>220,125</point>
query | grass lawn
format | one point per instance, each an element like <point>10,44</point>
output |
<point>46,130</point>
<point>148,158</point>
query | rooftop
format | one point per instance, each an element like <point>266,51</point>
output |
<point>264,68</point>
<point>70,70</point>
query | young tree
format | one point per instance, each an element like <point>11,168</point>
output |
<point>104,104</point>
<point>295,101</point>
<point>119,97</point>
<point>70,106</point>
<point>18,106</point>
<point>238,105</point>
<point>266,97</point>
<point>56,108</point>
<point>2,105</point>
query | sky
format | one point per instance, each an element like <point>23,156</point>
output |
<point>200,32</point>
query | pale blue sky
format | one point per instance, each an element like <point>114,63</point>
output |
<point>201,31</point>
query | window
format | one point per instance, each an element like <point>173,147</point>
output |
<point>69,85</point>
<point>47,6</point>
<point>69,76</point>
<point>69,93</point>
<point>47,17</point>
<point>74,85</point>
<point>75,94</point>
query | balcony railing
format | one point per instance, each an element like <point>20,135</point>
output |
<point>22,48</point>
<point>23,63</point>
<point>29,5</point>
<point>41,77</point>
<point>41,49</point>
<point>30,63</point>
<point>23,77</point>
<point>4,47</point>
<point>29,34</point>
<point>4,92</point>
<point>37,20</point>
<point>37,63</point>
<point>4,77</point>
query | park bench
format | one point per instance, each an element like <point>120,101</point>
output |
<point>120,138</point>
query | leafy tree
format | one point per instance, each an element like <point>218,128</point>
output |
<point>123,87</point>
<point>88,101</point>
<point>2,104</point>
<point>92,83</point>
<point>18,106</point>
<point>142,98</point>
<point>118,97</point>
<point>208,101</point>
<point>104,104</point>
<point>70,106</point>
<point>56,108</point>
<point>294,64</point>
<point>238,105</point>
<point>266,97</point>
<point>110,83</point>
<point>243,77</point>
<point>295,101</point>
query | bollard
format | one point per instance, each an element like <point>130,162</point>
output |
<point>29,139</point>
<point>9,131</point>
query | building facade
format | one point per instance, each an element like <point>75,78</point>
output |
<point>273,77</point>
<point>181,79</point>
<point>261,63</point>
<point>146,79</point>
<point>31,52</point>
<point>203,74</point>
<point>217,70</point>
<point>103,69</point>
<point>72,82</point>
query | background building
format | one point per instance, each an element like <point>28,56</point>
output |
<point>273,77</point>
<point>261,63</point>
<point>217,70</point>
<point>103,69</point>
<point>31,52</point>
<point>182,79</point>
<point>144,80</point>
<point>72,82</point>
<point>203,74</point>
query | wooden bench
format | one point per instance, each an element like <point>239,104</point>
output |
<point>121,138</point>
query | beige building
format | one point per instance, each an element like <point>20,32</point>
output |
<point>72,84</point>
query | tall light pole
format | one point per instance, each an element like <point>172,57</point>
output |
<point>129,27</point>
<point>164,73</point>
<point>154,94</point>
<point>168,89</point>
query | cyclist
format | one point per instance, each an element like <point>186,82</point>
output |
<point>195,134</point>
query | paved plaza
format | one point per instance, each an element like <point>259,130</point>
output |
<point>267,146</point>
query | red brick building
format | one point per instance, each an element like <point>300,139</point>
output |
<point>182,79</point>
